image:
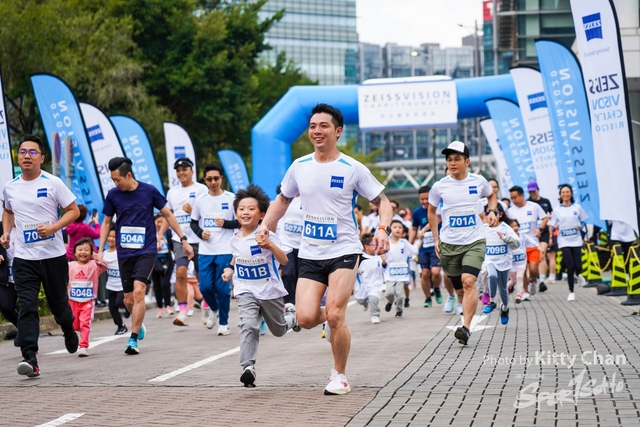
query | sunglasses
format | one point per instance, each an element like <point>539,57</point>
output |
<point>213,178</point>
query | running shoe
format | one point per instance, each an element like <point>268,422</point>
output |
<point>551,280</point>
<point>438,293</point>
<point>143,332</point>
<point>543,287</point>
<point>213,319</point>
<point>427,302</point>
<point>518,298</point>
<point>571,297</point>
<point>29,369</point>
<point>533,288</point>
<point>406,302</point>
<point>132,347</point>
<point>83,352</point>
<point>485,298</point>
<point>375,320</point>
<point>189,313</point>
<point>459,308</point>
<point>387,307</point>
<point>338,384</point>
<point>160,314</point>
<point>121,330</point>
<point>223,330</point>
<point>489,308</point>
<point>196,304</point>
<point>181,320</point>
<point>399,313</point>
<point>263,327</point>
<point>581,281</point>
<point>504,315</point>
<point>126,314</point>
<point>71,341</point>
<point>204,316</point>
<point>169,311</point>
<point>290,308</point>
<point>526,296</point>
<point>248,377</point>
<point>448,306</point>
<point>462,334</point>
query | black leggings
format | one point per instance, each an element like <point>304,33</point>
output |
<point>162,283</point>
<point>116,301</point>
<point>572,260</point>
<point>8,299</point>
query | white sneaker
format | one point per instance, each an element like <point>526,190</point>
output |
<point>181,320</point>
<point>337,384</point>
<point>459,308</point>
<point>571,297</point>
<point>375,320</point>
<point>290,308</point>
<point>533,288</point>
<point>223,330</point>
<point>83,352</point>
<point>448,306</point>
<point>550,279</point>
<point>212,320</point>
<point>581,281</point>
<point>204,317</point>
<point>525,296</point>
<point>189,313</point>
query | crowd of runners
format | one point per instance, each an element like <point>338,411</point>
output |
<point>291,263</point>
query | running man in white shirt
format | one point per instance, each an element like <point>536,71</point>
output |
<point>328,183</point>
<point>180,201</point>
<point>31,205</point>
<point>460,243</point>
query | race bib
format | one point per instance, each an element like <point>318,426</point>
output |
<point>496,248</point>
<point>320,229</point>
<point>184,219</point>
<point>520,258</point>
<point>164,247</point>
<point>31,237</point>
<point>525,227</point>
<point>568,232</point>
<point>462,219</point>
<point>293,226</point>
<point>254,270</point>
<point>427,241</point>
<point>209,222</point>
<point>132,237</point>
<point>398,269</point>
<point>113,273</point>
<point>81,291</point>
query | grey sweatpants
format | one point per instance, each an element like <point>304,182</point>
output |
<point>250,312</point>
<point>372,301</point>
<point>395,291</point>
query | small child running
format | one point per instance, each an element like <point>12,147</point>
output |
<point>370,278</point>
<point>114,284</point>
<point>519,265</point>
<point>396,274</point>
<point>83,287</point>
<point>257,284</point>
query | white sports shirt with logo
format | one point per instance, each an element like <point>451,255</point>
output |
<point>256,269</point>
<point>568,219</point>
<point>370,279</point>
<point>528,217</point>
<point>290,226</point>
<point>328,192</point>
<point>33,203</point>
<point>177,197</point>
<point>461,224</point>
<point>205,210</point>
<point>397,258</point>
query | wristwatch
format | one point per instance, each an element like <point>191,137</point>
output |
<point>183,238</point>
<point>386,229</point>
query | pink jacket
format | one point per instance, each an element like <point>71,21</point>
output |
<point>78,230</point>
<point>83,280</point>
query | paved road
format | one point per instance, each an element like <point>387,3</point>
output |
<point>404,372</point>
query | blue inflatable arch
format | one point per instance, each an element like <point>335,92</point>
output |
<point>272,136</point>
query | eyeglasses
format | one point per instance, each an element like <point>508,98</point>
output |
<point>213,178</point>
<point>32,152</point>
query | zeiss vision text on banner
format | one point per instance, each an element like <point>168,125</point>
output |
<point>504,176</point>
<point>407,103</point>
<point>235,169</point>
<point>61,116</point>
<point>598,40</point>
<point>570,124</point>
<point>137,147</point>
<point>6,161</point>
<point>512,138</point>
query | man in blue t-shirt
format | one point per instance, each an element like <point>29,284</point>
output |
<point>133,202</point>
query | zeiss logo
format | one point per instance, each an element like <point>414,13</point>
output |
<point>255,250</point>
<point>592,26</point>
<point>42,192</point>
<point>192,195</point>
<point>337,181</point>
<point>179,151</point>
<point>95,133</point>
<point>537,100</point>
<point>473,189</point>
<point>225,206</point>
<point>529,213</point>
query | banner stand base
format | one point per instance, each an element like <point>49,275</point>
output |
<point>617,292</point>
<point>632,300</point>
<point>604,288</point>
<point>592,284</point>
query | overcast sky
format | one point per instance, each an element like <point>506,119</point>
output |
<point>412,22</point>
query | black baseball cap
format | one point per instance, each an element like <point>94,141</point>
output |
<point>183,161</point>
<point>456,147</point>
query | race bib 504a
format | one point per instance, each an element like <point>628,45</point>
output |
<point>132,237</point>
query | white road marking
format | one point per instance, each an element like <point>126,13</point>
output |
<point>62,420</point>
<point>475,323</point>
<point>206,361</point>
<point>94,344</point>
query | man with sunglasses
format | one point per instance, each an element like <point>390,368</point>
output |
<point>31,203</point>
<point>180,201</point>
<point>213,221</point>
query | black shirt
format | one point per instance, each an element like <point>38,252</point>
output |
<point>545,204</point>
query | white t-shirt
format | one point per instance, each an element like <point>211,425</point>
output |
<point>113,271</point>
<point>177,197</point>
<point>371,222</point>
<point>520,254</point>
<point>33,203</point>
<point>370,277</point>
<point>497,251</point>
<point>622,232</point>
<point>528,217</point>
<point>10,252</point>
<point>256,269</point>
<point>290,226</point>
<point>568,219</point>
<point>397,258</point>
<point>328,192</point>
<point>461,223</point>
<point>205,210</point>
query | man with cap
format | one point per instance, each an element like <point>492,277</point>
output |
<point>460,243</point>
<point>546,241</point>
<point>180,201</point>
